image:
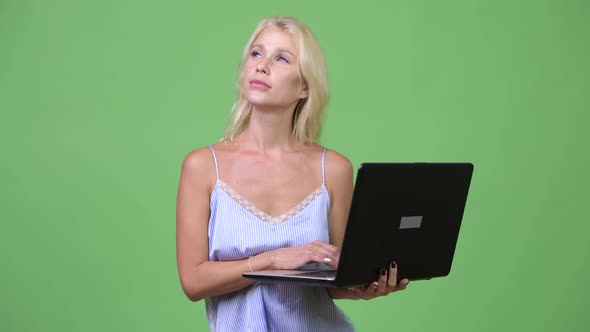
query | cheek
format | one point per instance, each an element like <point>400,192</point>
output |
<point>244,78</point>
<point>291,80</point>
<point>248,67</point>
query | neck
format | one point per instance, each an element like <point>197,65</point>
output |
<point>269,129</point>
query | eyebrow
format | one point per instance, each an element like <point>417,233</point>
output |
<point>281,50</point>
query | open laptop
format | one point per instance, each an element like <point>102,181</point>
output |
<point>409,213</point>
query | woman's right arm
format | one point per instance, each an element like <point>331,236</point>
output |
<point>201,278</point>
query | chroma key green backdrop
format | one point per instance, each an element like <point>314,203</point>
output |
<point>101,100</point>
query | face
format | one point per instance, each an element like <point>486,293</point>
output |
<point>271,76</point>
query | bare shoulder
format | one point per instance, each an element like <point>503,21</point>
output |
<point>199,166</point>
<point>338,171</point>
<point>199,159</point>
<point>337,163</point>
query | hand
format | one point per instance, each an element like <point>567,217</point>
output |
<point>294,257</point>
<point>387,283</point>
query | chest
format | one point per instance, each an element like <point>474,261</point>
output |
<point>272,187</point>
<point>235,232</point>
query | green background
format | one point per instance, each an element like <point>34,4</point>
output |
<point>101,100</point>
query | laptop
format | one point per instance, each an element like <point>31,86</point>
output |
<point>409,213</point>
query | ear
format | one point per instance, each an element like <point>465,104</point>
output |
<point>303,92</point>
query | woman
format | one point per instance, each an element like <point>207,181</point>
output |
<point>268,197</point>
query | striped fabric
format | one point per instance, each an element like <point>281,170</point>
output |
<point>237,230</point>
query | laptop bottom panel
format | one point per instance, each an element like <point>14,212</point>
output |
<point>290,276</point>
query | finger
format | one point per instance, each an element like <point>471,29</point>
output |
<point>392,279</point>
<point>403,284</point>
<point>330,255</point>
<point>316,257</point>
<point>336,260</point>
<point>318,248</point>
<point>382,288</point>
<point>333,250</point>
<point>331,263</point>
<point>326,248</point>
<point>370,291</point>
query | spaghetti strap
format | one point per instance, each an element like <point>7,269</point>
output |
<point>324,167</point>
<point>215,159</point>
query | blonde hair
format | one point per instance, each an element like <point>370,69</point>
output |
<point>308,114</point>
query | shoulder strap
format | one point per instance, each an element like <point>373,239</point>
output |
<point>324,167</point>
<point>215,159</point>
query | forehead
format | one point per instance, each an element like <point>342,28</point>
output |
<point>274,38</point>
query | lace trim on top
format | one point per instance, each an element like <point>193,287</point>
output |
<point>265,216</point>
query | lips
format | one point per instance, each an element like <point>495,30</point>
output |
<point>259,84</point>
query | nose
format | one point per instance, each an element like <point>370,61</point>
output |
<point>262,66</point>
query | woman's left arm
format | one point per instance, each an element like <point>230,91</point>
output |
<point>340,186</point>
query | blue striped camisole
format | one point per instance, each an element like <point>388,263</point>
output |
<point>238,230</point>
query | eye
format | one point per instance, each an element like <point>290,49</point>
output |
<point>254,53</point>
<point>282,59</point>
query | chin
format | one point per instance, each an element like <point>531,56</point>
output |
<point>264,100</point>
<point>258,100</point>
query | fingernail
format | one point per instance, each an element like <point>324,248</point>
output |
<point>393,265</point>
<point>374,285</point>
<point>327,259</point>
<point>383,272</point>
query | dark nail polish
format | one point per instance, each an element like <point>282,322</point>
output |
<point>383,272</point>
<point>393,265</point>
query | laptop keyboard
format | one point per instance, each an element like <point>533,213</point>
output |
<point>319,274</point>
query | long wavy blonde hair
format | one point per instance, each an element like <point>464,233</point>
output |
<point>308,114</point>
